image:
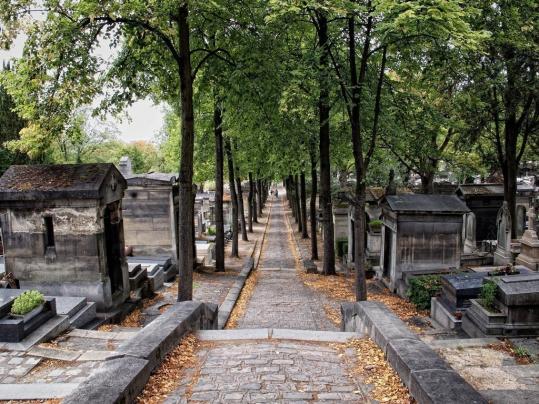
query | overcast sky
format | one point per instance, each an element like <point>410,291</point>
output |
<point>145,119</point>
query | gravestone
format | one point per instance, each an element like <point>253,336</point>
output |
<point>502,255</point>
<point>458,289</point>
<point>521,220</point>
<point>470,244</point>
<point>529,248</point>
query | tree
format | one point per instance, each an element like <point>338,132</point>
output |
<point>62,70</point>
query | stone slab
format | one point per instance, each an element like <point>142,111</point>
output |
<point>84,316</point>
<point>101,334</point>
<point>55,353</point>
<point>69,306</point>
<point>234,334</point>
<point>462,343</point>
<point>442,386</point>
<point>315,336</point>
<point>52,328</point>
<point>442,316</point>
<point>35,391</point>
<point>158,338</point>
<point>98,356</point>
<point>117,381</point>
<point>410,355</point>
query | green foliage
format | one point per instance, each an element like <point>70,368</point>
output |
<point>26,302</point>
<point>376,224</point>
<point>521,352</point>
<point>422,289</point>
<point>211,231</point>
<point>487,296</point>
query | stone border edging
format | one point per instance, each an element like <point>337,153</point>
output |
<point>122,379</point>
<point>225,309</point>
<point>428,377</point>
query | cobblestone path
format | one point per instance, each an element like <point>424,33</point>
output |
<point>259,369</point>
<point>280,300</point>
<point>270,372</point>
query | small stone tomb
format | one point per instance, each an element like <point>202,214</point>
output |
<point>421,235</point>
<point>517,310</point>
<point>164,262</point>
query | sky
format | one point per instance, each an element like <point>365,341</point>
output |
<point>144,119</point>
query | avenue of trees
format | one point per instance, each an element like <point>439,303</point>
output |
<point>315,92</point>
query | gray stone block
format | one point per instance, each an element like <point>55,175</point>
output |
<point>159,337</point>
<point>411,355</point>
<point>35,391</point>
<point>442,386</point>
<point>84,316</point>
<point>117,381</point>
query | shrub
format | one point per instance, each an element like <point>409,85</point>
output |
<point>488,295</point>
<point>212,231</point>
<point>422,288</point>
<point>376,224</point>
<point>26,302</point>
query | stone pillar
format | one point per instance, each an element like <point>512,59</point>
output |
<point>470,244</point>
<point>502,255</point>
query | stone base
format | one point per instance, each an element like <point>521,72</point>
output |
<point>442,316</point>
<point>502,257</point>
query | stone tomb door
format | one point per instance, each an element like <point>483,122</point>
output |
<point>113,245</point>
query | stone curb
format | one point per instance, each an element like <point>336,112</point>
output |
<point>276,333</point>
<point>428,377</point>
<point>225,309</point>
<point>121,379</point>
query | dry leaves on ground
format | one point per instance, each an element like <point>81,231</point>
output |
<point>241,304</point>
<point>168,376</point>
<point>333,314</point>
<point>375,371</point>
<point>507,346</point>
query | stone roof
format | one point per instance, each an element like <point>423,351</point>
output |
<point>480,189</point>
<point>142,179</point>
<point>38,182</point>
<point>426,203</point>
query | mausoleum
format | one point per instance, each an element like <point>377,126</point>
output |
<point>421,235</point>
<point>63,230</point>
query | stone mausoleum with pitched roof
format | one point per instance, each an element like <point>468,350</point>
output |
<point>62,229</point>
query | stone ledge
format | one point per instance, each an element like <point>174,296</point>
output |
<point>121,379</point>
<point>429,378</point>
<point>117,381</point>
<point>375,320</point>
<point>225,309</point>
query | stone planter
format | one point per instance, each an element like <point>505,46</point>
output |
<point>479,322</point>
<point>14,328</point>
<point>30,315</point>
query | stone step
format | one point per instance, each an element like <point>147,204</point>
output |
<point>276,333</point>
<point>461,343</point>
<point>35,391</point>
<point>55,353</point>
<point>79,333</point>
<point>52,328</point>
<point>69,306</point>
<point>84,316</point>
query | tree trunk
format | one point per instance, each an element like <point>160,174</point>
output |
<point>510,172</point>
<point>193,228</point>
<point>314,186</point>
<point>234,199</point>
<point>185,177</point>
<point>259,194</point>
<point>328,267</point>
<point>241,208</point>
<point>297,198</point>
<point>427,183</point>
<point>219,221</point>
<point>304,232</point>
<point>250,203</point>
<point>252,185</point>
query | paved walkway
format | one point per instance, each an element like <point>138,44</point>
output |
<point>280,299</point>
<point>281,364</point>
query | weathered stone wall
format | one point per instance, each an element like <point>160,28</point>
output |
<point>428,242</point>
<point>149,220</point>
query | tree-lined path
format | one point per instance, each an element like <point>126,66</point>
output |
<point>280,300</point>
<point>284,350</point>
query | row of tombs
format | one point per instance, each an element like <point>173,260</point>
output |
<point>461,241</point>
<point>91,231</point>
